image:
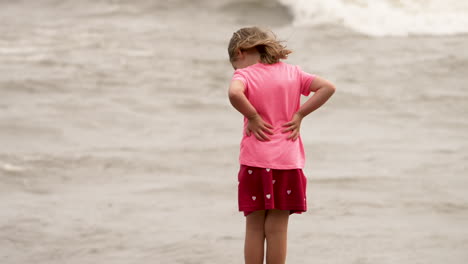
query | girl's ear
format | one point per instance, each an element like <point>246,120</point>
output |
<point>240,54</point>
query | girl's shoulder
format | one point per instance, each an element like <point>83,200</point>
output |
<point>264,68</point>
<point>286,66</point>
<point>282,66</point>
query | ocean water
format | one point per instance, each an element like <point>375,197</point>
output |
<point>385,17</point>
<point>118,143</point>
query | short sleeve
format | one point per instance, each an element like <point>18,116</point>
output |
<point>305,80</point>
<point>239,76</point>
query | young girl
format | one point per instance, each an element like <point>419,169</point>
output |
<point>271,182</point>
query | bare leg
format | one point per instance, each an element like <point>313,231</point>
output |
<point>276,229</point>
<point>254,238</point>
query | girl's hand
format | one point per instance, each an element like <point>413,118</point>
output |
<point>294,125</point>
<point>258,127</point>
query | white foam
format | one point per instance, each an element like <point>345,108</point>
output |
<point>385,17</point>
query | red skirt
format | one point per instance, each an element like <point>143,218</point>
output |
<point>263,189</point>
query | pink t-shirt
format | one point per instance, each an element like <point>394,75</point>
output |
<point>274,90</point>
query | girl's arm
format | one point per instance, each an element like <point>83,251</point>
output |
<point>323,90</point>
<point>240,102</point>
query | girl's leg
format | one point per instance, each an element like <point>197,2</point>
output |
<point>254,237</point>
<point>276,229</point>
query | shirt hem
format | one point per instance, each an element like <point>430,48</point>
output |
<point>269,166</point>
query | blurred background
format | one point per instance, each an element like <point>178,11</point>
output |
<point>118,143</point>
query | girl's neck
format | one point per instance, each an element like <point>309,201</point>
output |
<point>246,58</point>
<point>253,58</point>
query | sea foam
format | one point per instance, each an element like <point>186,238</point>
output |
<point>385,17</point>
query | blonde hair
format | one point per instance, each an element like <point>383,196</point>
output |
<point>271,50</point>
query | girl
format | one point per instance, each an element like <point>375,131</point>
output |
<point>271,182</point>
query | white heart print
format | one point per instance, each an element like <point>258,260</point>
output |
<point>268,196</point>
<point>254,198</point>
<point>289,192</point>
<point>267,169</point>
<point>274,181</point>
<point>249,171</point>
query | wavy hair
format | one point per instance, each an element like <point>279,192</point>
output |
<point>270,48</point>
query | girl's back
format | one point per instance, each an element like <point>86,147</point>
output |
<point>274,90</point>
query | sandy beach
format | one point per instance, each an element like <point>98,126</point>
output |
<point>118,143</point>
